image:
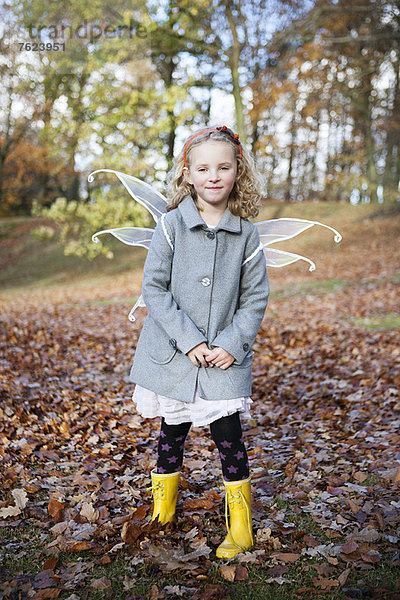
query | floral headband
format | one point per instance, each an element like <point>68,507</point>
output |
<point>223,129</point>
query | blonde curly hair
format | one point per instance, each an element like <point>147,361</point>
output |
<point>245,198</point>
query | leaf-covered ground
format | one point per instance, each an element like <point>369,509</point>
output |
<point>323,442</point>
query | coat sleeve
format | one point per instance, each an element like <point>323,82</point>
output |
<point>157,296</point>
<point>238,337</point>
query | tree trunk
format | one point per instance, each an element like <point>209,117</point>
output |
<point>370,165</point>
<point>392,166</point>
<point>235,64</point>
<point>293,132</point>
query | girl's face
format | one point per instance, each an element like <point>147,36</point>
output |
<point>212,172</point>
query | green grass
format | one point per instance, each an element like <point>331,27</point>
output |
<point>18,549</point>
<point>122,300</point>
<point>326,286</point>
<point>387,321</point>
<point>309,288</point>
<point>325,212</point>
<point>30,262</point>
<point>6,229</point>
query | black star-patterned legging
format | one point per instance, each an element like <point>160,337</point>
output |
<point>227,435</point>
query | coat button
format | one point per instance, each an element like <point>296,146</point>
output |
<point>245,346</point>
<point>211,235</point>
<point>205,281</point>
<point>172,342</point>
<point>203,331</point>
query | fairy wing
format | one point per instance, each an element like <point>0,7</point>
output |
<point>140,191</point>
<point>281,258</point>
<point>132,236</point>
<point>285,228</point>
<point>148,197</point>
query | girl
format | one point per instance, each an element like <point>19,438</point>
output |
<point>206,289</point>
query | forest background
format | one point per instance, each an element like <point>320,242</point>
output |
<point>312,87</point>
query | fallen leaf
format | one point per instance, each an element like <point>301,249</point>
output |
<point>47,593</point>
<point>198,503</point>
<point>155,593</point>
<point>201,550</point>
<point>228,572</point>
<point>349,547</point>
<point>103,583</point>
<point>250,557</point>
<point>79,546</point>
<point>353,506</point>
<point>372,556</point>
<point>380,520</point>
<point>9,511</point>
<point>59,528</point>
<point>263,535</point>
<point>55,509</point>
<point>170,558</point>
<point>90,513</point>
<point>286,556</point>
<point>341,520</point>
<point>368,535</point>
<point>241,573</point>
<point>115,548</point>
<point>44,579</point>
<point>343,577</point>
<point>325,583</point>
<point>191,534</point>
<point>21,498</point>
<point>277,570</point>
<point>50,563</point>
<point>131,532</point>
<point>212,592</point>
<point>279,580</point>
<point>324,569</point>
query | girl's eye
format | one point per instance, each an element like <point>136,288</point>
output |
<point>202,169</point>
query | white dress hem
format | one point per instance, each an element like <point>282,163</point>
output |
<point>201,412</point>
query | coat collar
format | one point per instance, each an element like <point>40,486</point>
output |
<point>192,217</point>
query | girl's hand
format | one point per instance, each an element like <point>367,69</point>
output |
<point>197,354</point>
<point>220,357</point>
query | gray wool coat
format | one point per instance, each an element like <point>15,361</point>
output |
<point>200,285</point>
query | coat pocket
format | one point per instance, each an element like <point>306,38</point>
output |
<point>159,348</point>
<point>240,375</point>
<point>162,356</point>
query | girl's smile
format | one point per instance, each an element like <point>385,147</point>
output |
<point>212,172</point>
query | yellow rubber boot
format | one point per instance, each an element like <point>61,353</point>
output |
<point>240,531</point>
<point>165,492</point>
